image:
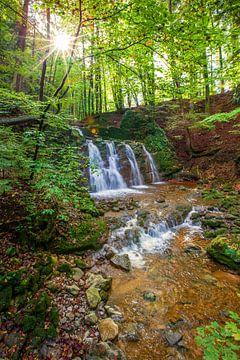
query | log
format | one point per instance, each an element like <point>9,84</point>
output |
<point>19,120</point>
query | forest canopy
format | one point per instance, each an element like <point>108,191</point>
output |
<point>98,56</point>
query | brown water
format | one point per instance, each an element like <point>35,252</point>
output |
<point>191,290</point>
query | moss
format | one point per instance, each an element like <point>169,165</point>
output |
<point>80,264</point>
<point>162,151</point>
<point>5,298</point>
<point>226,251</point>
<point>65,268</point>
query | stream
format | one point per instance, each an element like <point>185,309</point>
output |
<point>173,286</point>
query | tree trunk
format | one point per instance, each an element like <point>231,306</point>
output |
<point>44,65</point>
<point>22,41</point>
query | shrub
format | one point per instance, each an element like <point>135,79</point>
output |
<point>220,342</point>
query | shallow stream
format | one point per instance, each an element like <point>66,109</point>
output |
<point>187,289</point>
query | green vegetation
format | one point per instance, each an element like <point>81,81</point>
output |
<point>210,121</point>
<point>220,341</point>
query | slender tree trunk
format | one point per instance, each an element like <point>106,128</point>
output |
<point>22,41</point>
<point>222,86</point>
<point>206,81</point>
<point>44,64</point>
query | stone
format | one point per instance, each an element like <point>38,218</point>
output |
<point>173,337</point>
<point>226,251</point>
<point>121,262</point>
<point>114,313</point>
<point>73,290</point>
<point>149,296</point>
<point>93,297</point>
<point>99,282</point>
<point>77,274</point>
<point>91,318</point>
<point>108,329</point>
<point>193,249</point>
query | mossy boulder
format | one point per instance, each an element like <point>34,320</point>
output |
<point>226,251</point>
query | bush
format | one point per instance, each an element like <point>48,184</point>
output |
<point>220,342</point>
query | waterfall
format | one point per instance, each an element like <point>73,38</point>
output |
<point>97,171</point>
<point>136,175</point>
<point>102,177</point>
<point>152,166</point>
<point>115,179</point>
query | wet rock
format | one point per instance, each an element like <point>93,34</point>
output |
<point>99,282</point>
<point>73,290</point>
<point>93,297</point>
<point>131,333</point>
<point>173,337</point>
<point>108,251</point>
<point>122,262</point>
<point>108,329</point>
<point>105,351</point>
<point>149,296</point>
<point>226,251</point>
<point>91,318</point>
<point>193,249</point>
<point>114,313</point>
<point>77,274</point>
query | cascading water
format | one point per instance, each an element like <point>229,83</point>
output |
<point>115,179</point>
<point>102,177</point>
<point>97,171</point>
<point>153,169</point>
<point>136,175</point>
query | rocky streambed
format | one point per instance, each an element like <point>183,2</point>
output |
<point>141,296</point>
<point>164,282</point>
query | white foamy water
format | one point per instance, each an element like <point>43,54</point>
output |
<point>114,193</point>
<point>137,242</point>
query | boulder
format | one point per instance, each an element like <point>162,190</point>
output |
<point>77,274</point>
<point>108,329</point>
<point>91,318</point>
<point>93,297</point>
<point>121,262</point>
<point>99,282</point>
<point>173,337</point>
<point>149,296</point>
<point>226,251</point>
<point>73,290</point>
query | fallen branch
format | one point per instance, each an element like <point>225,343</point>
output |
<point>19,120</point>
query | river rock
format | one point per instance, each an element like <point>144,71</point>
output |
<point>108,329</point>
<point>99,282</point>
<point>73,289</point>
<point>121,261</point>
<point>77,274</point>
<point>193,249</point>
<point>149,296</point>
<point>93,297</point>
<point>114,313</point>
<point>91,318</point>
<point>105,351</point>
<point>173,337</point>
<point>226,251</point>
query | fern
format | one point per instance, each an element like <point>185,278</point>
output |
<point>210,121</point>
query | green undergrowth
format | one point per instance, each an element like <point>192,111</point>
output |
<point>220,341</point>
<point>210,121</point>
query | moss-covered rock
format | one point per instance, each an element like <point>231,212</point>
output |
<point>226,251</point>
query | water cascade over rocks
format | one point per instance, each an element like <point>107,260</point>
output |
<point>153,169</point>
<point>135,172</point>
<point>106,166</point>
